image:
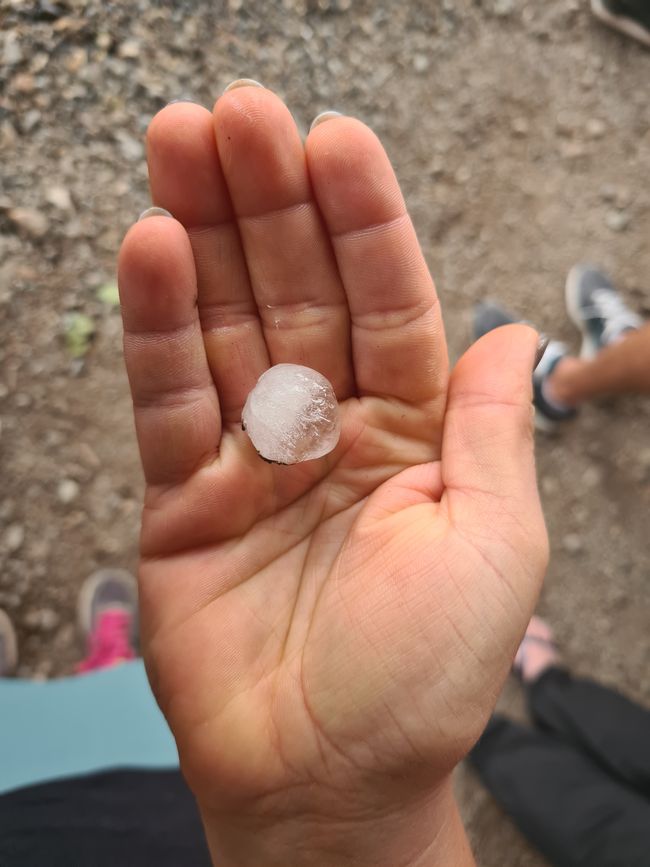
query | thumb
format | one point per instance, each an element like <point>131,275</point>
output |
<point>488,461</point>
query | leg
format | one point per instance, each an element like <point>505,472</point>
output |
<point>104,719</point>
<point>78,725</point>
<point>608,727</point>
<point>615,355</point>
<point>615,352</point>
<point>564,803</point>
<point>620,368</point>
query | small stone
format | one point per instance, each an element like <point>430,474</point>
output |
<point>30,120</point>
<point>550,485</point>
<point>104,40</point>
<point>41,619</point>
<point>24,83</point>
<point>292,415</point>
<point>617,221</point>
<point>69,24</point>
<point>420,63</point>
<point>596,128</point>
<point>572,150</point>
<point>39,62</point>
<point>572,543</point>
<point>67,491</point>
<point>30,220</point>
<point>130,48</point>
<point>503,8</point>
<point>76,60</point>
<point>130,147</point>
<point>566,122</point>
<point>592,477</point>
<point>14,537</point>
<point>49,619</point>
<point>520,126</point>
<point>59,197</point>
<point>608,192</point>
<point>12,54</point>
<point>8,134</point>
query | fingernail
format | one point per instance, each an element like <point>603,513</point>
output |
<point>182,99</point>
<point>242,82</point>
<point>323,116</point>
<point>153,212</point>
<point>542,343</point>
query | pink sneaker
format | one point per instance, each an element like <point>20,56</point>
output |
<point>108,617</point>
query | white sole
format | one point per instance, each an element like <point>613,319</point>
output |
<point>624,25</point>
<point>589,346</point>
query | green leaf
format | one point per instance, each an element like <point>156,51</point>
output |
<point>79,331</point>
<point>109,294</point>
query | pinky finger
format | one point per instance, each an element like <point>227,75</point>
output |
<point>175,402</point>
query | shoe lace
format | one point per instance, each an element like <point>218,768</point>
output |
<point>609,307</point>
<point>109,641</point>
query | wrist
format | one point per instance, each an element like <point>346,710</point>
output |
<point>427,833</point>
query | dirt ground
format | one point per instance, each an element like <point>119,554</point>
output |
<point>521,134</point>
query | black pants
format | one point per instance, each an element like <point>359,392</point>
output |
<point>578,784</point>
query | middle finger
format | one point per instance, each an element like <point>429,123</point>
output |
<point>293,272</point>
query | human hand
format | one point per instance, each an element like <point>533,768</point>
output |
<point>326,639</point>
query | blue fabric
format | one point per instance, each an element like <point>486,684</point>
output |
<point>79,725</point>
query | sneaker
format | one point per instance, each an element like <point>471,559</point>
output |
<point>8,646</point>
<point>597,309</point>
<point>630,17</point>
<point>537,652</point>
<point>108,617</point>
<point>487,317</point>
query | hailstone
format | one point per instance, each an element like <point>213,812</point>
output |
<point>292,415</point>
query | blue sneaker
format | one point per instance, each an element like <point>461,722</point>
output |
<point>487,317</point>
<point>597,309</point>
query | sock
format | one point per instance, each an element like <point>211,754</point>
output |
<point>552,402</point>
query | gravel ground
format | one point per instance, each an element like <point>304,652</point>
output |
<point>521,134</point>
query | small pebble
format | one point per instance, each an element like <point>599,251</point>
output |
<point>592,477</point>
<point>14,537</point>
<point>596,128</point>
<point>30,220</point>
<point>59,197</point>
<point>520,126</point>
<point>572,543</point>
<point>617,221</point>
<point>41,619</point>
<point>67,491</point>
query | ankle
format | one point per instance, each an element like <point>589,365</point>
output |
<point>559,386</point>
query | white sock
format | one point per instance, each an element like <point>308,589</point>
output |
<point>552,402</point>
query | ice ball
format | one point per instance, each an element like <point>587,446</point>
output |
<point>292,415</point>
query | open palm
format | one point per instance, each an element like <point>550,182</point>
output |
<point>310,630</point>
